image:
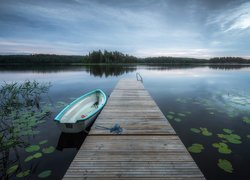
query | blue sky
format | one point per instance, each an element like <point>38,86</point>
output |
<point>191,28</point>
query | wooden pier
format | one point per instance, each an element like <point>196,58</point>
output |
<point>148,147</point>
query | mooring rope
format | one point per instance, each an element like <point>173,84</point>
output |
<point>116,129</point>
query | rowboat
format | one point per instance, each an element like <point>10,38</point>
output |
<point>81,113</point>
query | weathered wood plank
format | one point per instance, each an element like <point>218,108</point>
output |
<point>147,149</point>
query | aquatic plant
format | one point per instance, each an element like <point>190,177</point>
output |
<point>181,114</point>
<point>12,169</point>
<point>246,119</point>
<point>195,130</point>
<point>61,104</point>
<point>222,148</point>
<point>225,165</point>
<point>229,131</point>
<point>43,142</point>
<point>177,116</point>
<point>181,100</point>
<point>48,150</point>
<point>170,117</point>
<point>177,119</point>
<point>230,137</point>
<point>205,132</point>
<point>195,148</point>
<point>45,174</point>
<point>21,112</point>
<point>32,148</point>
<point>23,173</point>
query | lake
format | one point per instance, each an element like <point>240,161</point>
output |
<point>208,106</point>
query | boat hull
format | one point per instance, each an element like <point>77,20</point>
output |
<point>82,112</point>
<point>77,127</point>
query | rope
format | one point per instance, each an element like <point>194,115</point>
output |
<point>116,129</point>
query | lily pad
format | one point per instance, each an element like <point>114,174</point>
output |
<point>181,100</point>
<point>248,136</point>
<point>177,119</point>
<point>196,148</point>
<point>32,148</point>
<point>205,132</point>
<point>45,174</point>
<point>195,130</point>
<point>29,158</point>
<point>23,174</point>
<point>225,165</point>
<point>171,112</point>
<point>40,121</point>
<point>232,138</point>
<point>170,116</point>
<point>43,142</point>
<point>12,169</point>
<point>48,150</point>
<point>229,131</point>
<point>222,148</point>
<point>37,155</point>
<point>181,114</point>
<point>246,119</point>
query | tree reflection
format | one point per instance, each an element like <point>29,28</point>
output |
<point>109,70</point>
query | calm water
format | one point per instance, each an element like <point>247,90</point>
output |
<point>208,106</point>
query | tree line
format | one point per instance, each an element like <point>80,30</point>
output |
<point>112,57</point>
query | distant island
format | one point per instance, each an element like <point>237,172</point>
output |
<point>114,57</point>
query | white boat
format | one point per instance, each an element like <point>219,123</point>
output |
<point>81,113</point>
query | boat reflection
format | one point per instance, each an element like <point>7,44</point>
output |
<point>68,140</point>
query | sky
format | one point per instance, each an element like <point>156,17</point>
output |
<point>143,28</point>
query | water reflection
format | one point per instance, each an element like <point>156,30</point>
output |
<point>68,140</point>
<point>228,67</point>
<point>107,70</point>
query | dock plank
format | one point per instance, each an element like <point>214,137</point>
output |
<point>148,147</point>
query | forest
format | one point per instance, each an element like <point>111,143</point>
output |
<point>110,57</point>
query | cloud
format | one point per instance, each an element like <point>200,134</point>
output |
<point>237,18</point>
<point>137,27</point>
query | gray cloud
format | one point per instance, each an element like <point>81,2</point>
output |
<point>195,28</point>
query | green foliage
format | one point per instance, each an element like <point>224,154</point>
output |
<point>48,150</point>
<point>171,112</point>
<point>222,148</point>
<point>196,148</point>
<point>37,155</point>
<point>225,165</point>
<point>20,114</point>
<point>29,158</point>
<point>23,174</point>
<point>195,130</point>
<point>109,57</point>
<point>43,142</point>
<point>246,119</point>
<point>232,138</point>
<point>229,131</point>
<point>45,174</point>
<point>181,114</point>
<point>170,117</point>
<point>205,132</point>
<point>32,148</point>
<point>177,119</point>
<point>12,169</point>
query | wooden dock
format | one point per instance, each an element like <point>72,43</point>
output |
<point>148,147</point>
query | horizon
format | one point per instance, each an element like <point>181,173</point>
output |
<point>192,29</point>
